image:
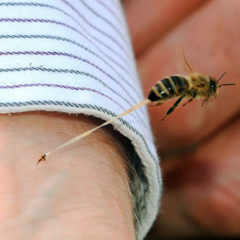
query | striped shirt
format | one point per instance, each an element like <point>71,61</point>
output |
<point>76,57</point>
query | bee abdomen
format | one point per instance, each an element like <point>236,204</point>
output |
<point>168,88</point>
<point>181,83</point>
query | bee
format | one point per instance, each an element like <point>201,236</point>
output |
<point>194,86</point>
<point>191,87</point>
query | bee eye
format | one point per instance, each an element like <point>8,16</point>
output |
<point>213,86</point>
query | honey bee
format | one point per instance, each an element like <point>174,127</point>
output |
<point>193,86</point>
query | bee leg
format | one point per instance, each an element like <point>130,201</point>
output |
<point>154,104</point>
<point>195,92</point>
<point>190,100</point>
<point>194,95</point>
<point>171,109</point>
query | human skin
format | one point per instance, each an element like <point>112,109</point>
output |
<point>79,193</point>
<point>199,145</point>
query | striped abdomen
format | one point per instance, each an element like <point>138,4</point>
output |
<point>168,88</point>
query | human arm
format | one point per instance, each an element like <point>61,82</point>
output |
<point>68,196</point>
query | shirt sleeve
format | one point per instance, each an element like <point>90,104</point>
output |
<point>76,57</point>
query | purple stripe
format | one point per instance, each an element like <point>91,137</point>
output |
<point>64,87</point>
<point>94,27</point>
<point>101,15</point>
<point>109,10</point>
<point>57,23</point>
<point>72,28</point>
<point>41,53</point>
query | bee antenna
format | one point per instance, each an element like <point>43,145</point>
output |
<point>226,84</point>
<point>186,62</point>
<point>221,76</point>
